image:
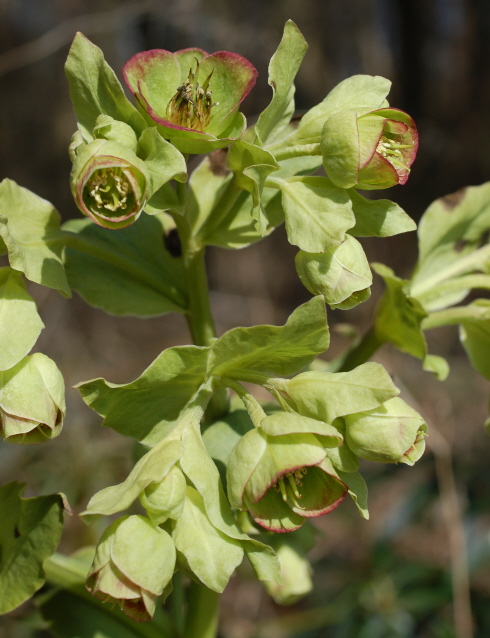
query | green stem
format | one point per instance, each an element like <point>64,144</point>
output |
<point>300,150</point>
<point>202,615</point>
<point>454,316</point>
<point>362,352</point>
<point>253,407</point>
<point>177,601</point>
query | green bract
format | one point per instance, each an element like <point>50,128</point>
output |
<point>391,433</point>
<point>109,182</point>
<point>191,95</point>
<point>369,151</point>
<point>279,472</point>
<point>133,564</point>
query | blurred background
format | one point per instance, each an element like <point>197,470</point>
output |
<point>412,569</point>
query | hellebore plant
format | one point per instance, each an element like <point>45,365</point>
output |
<point>219,473</point>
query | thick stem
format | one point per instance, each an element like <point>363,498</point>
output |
<point>362,352</point>
<point>202,615</point>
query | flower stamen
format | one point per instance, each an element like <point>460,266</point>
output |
<point>110,189</point>
<point>288,486</point>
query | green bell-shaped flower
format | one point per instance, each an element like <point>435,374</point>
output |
<point>108,181</point>
<point>165,499</point>
<point>133,565</point>
<point>280,474</point>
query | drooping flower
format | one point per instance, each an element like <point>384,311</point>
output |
<point>374,150</point>
<point>193,96</point>
<point>109,183</point>
<point>280,474</point>
<point>133,564</point>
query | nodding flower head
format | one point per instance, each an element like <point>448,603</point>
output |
<point>193,96</point>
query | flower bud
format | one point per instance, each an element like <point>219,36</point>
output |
<point>32,401</point>
<point>133,564</point>
<point>165,499</point>
<point>109,183</point>
<point>390,433</point>
<point>370,151</point>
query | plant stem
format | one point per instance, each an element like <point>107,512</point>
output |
<point>202,616</point>
<point>362,352</point>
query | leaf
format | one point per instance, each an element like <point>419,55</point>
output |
<point>357,491</point>
<point>283,67</point>
<point>74,613</point>
<point>30,532</point>
<point>20,323</point>
<point>272,350</point>
<point>475,337</point>
<point>452,242</point>
<point>359,92</point>
<point>399,316</point>
<point>208,553</point>
<point>147,408</point>
<point>318,214</point>
<point>163,161</point>
<point>30,228</point>
<point>128,272</point>
<point>378,217</point>
<point>341,274</point>
<point>243,155</point>
<point>328,395</point>
<point>95,89</point>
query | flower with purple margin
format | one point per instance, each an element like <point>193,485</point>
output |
<point>280,472</point>
<point>192,96</point>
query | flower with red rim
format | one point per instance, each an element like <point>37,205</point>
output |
<point>192,96</point>
<point>370,151</point>
<point>280,474</point>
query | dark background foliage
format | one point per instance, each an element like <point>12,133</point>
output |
<point>403,573</point>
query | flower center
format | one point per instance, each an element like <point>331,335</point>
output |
<point>392,151</point>
<point>288,486</point>
<point>191,106</point>
<point>109,190</point>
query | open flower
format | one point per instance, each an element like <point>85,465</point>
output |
<point>133,564</point>
<point>369,151</point>
<point>192,95</point>
<point>109,183</point>
<point>280,474</point>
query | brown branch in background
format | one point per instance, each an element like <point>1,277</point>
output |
<point>63,33</point>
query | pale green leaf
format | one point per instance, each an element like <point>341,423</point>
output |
<point>30,532</point>
<point>30,228</point>
<point>359,93</point>
<point>357,491</point>
<point>20,323</point>
<point>340,274</point>
<point>163,161</point>
<point>318,214</point>
<point>475,337</point>
<point>283,67</point>
<point>378,217</point>
<point>128,272</point>
<point>147,409</point>
<point>272,350</point>
<point>210,555</point>
<point>95,89</point>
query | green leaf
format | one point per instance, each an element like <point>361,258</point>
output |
<point>328,395</point>
<point>152,467</point>
<point>357,491</point>
<point>243,155</point>
<point>30,532</point>
<point>18,316</point>
<point>208,553</point>
<point>163,161</point>
<point>148,408</point>
<point>399,316</point>
<point>475,337</point>
<point>128,272</point>
<point>360,93</point>
<point>272,350</point>
<point>296,573</point>
<point>451,233</point>
<point>30,228</point>
<point>95,89</point>
<point>283,67</point>
<point>318,214</point>
<point>378,217</point>
<point>107,128</point>
<point>341,274</point>
<point>74,613</point>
